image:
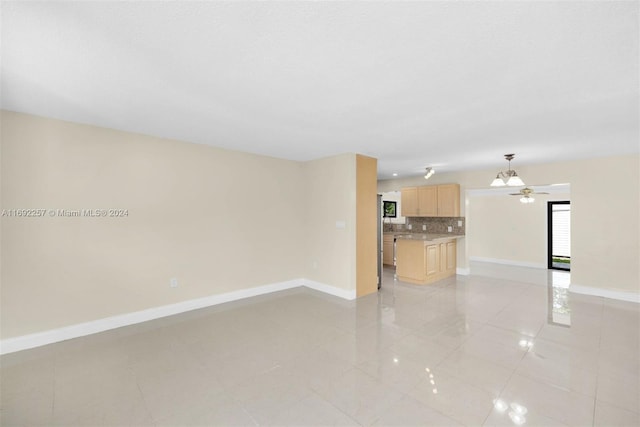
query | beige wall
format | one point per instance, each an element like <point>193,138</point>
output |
<point>366,225</point>
<point>216,220</point>
<point>222,221</point>
<point>504,229</point>
<point>605,215</point>
<point>341,223</point>
<point>331,218</point>
<point>219,221</point>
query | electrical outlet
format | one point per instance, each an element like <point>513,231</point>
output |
<point>459,223</point>
<point>173,283</point>
<point>315,264</point>
<point>449,229</point>
<point>424,227</point>
<point>409,227</point>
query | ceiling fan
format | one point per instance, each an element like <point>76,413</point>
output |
<point>526,194</point>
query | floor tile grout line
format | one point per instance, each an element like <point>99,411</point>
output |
<point>514,372</point>
<point>334,406</point>
<point>53,391</point>
<point>408,396</point>
<point>142,395</point>
<point>506,383</point>
<point>595,394</point>
<point>445,292</point>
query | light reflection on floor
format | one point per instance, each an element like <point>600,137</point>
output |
<point>559,309</point>
<point>503,346</point>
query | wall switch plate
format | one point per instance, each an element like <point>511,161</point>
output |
<point>409,227</point>
<point>459,223</point>
<point>173,283</point>
<point>424,227</point>
<point>341,224</point>
<point>449,229</point>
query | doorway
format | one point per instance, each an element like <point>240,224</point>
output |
<point>559,235</point>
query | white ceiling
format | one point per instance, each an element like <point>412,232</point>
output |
<point>453,85</point>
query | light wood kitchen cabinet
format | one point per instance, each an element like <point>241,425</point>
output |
<point>409,201</point>
<point>387,249</point>
<point>449,200</point>
<point>451,258</point>
<point>422,262</point>
<point>419,201</point>
<point>431,201</point>
<point>411,261</point>
<point>447,259</point>
<point>428,200</point>
<point>432,255</point>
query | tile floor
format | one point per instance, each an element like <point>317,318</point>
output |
<point>501,347</point>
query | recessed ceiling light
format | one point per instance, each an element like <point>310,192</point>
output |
<point>395,174</point>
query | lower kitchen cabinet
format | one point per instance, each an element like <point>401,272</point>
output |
<point>425,261</point>
<point>387,249</point>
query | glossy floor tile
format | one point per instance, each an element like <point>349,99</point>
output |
<point>504,346</point>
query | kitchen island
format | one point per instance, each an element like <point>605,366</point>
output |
<point>422,259</point>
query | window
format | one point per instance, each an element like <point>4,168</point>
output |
<point>559,232</point>
<point>389,209</point>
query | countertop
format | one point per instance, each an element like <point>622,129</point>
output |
<point>423,236</point>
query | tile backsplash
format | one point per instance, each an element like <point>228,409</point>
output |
<point>434,225</point>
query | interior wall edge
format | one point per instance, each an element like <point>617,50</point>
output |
<point>605,293</point>
<point>39,339</point>
<point>509,262</point>
<point>463,271</point>
<point>348,294</point>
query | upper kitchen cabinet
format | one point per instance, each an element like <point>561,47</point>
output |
<point>449,200</point>
<point>431,200</point>
<point>419,201</point>
<point>428,200</point>
<point>409,201</point>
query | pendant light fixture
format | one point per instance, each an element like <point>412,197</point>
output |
<point>428,172</point>
<point>508,177</point>
<point>527,199</point>
<point>527,194</point>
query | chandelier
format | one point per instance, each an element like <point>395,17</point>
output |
<point>508,177</point>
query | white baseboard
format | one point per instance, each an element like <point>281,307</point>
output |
<point>331,290</point>
<point>463,271</point>
<point>605,293</point>
<point>509,262</point>
<point>38,339</point>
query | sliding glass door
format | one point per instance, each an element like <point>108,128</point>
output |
<point>559,235</point>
